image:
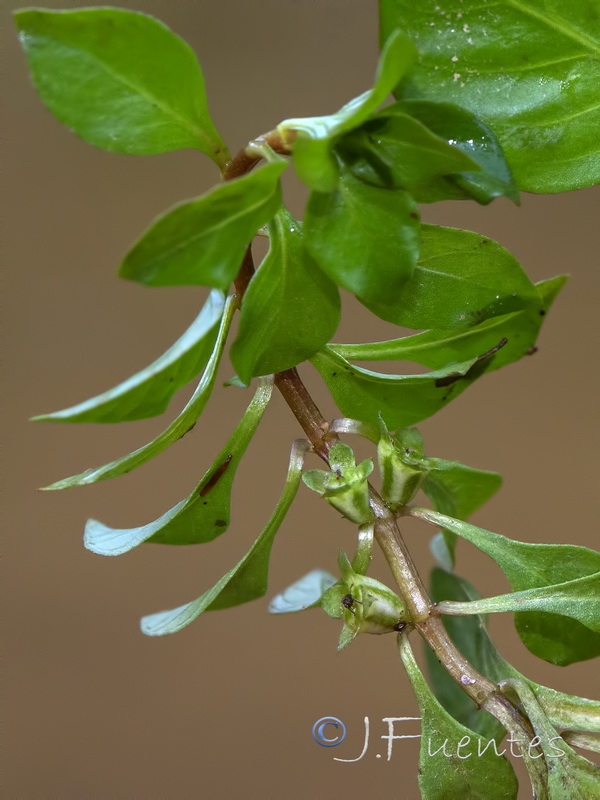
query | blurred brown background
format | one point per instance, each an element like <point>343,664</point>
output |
<point>93,709</point>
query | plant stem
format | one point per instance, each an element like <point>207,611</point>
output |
<point>481,690</point>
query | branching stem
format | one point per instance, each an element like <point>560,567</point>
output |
<point>387,533</point>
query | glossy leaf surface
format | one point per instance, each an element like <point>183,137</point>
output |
<point>120,79</point>
<point>364,238</point>
<point>402,400</point>
<point>202,242</point>
<point>395,150</point>
<point>248,579</point>
<point>529,69</point>
<point>470,769</point>
<point>148,392</point>
<point>472,137</point>
<point>436,348</point>
<point>178,428</point>
<point>530,566</point>
<point>460,280</point>
<point>202,516</point>
<point>314,138</point>
<point>305,593</point>
<point>290,310</point>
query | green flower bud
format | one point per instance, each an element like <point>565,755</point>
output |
<point>402,465</point>
<point>345,487</point>
<point>365,604</point>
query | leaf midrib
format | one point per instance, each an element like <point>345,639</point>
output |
<point>119,78</point>
<point>559,25</point>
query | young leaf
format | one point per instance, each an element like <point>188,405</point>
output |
<point>529,70</point>
<point>456,490</point>
<point>147,393</point>
<point>460,279</point>
<point>290,309</point>
<point>395,150</point>
<point>202,242</point>
<point>578,599</point>
<point>402,400</point>
<point>305,593</point>
<point>365,238</point>
<point>532,566</point>
<point>202,516</point>
<point>248,579</point>
<point>178,428</point>
<point>313,138</point>
<point>469,135</point>
<point>570,776</point>
<point>454,760</point>
<point>120,79</point>
<point>436,348</point>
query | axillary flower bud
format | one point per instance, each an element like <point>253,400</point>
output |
<point>345,487</point>
<point>365,605</point>
<point>402,464</point>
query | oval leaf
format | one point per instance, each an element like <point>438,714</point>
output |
<point>460,279</point>
<point>402,400</point>
<point>365,238</point>
<point>120,79</point>
<point>469,135</point>
<point>202,516</point>
<point>531,566</point>
<point>147,393</point>
<point>202,242</point>
<point>248,579</point>
<point>178,428</point>
<point>395,150</point>
<point>436,348</point>
<point>290,309</point>
<point>530,70</point>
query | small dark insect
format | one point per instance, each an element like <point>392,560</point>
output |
<point>217,474</point>
<point>399,626</point>
<point>347,601</point>
<point>531,350</point>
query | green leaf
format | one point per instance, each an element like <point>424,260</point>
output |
<point>533,566</point>
<point>528,69</point>
<point>460,279</point>
<point>147,393</point>
<point>290,309</point>
<point>313,138</point>
<point>248,579</point>
<point>305,593</point>
<point>202,516</point>
<point>202,242</point>
<point>456,490</point>
<point>365,238</point>
<point>472,639</point>
<point>471,767</point>
<point>395,150</point>
<point>435,348</point>
<point>469,135</point>
<point>402,400</point>
<point>470,635</point>
<point>119,79</point>
<point>178,428</point>
<point>570,776</point>
<point>578,599</point>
